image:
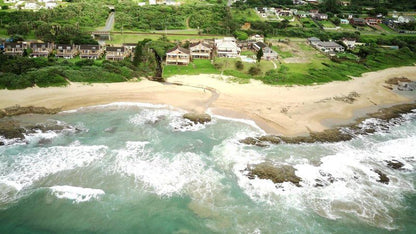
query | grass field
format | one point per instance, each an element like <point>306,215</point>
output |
<point>308,23</point>
<point>282,54</point>
<point>247,15</point>
<point>196,67</point>
<point>327,24</point>
<point>134,38</point>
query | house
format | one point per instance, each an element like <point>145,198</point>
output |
<point>115,53</point>
<point>66,51</point>
<point>313,41</point>
<point>90,51</point>
<point>349,42</point>
<point>357,21</point>
<point>269,54</point>
<point>345,3</point>
<point>284,13</point>
<point>13,48</point>
<point>320,16</point>
<point>227,48</point>
<point>259,45</point>
<point>302,14</point>
<point>201,50</point>
<point>406,19</point>
<point>40,49</point>
<point>345,21</point>
<point>130,48</point>
<point>373,21</point>
<point>178,56</point>
<point>329,46</point>
<point>257,38</point>
<point>313,12</point>
<point>313,2</point>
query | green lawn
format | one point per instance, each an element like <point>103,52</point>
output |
<point>386,28</point>
<point>247,15</point>
<point>347,26</point>
<point>196,67</point>
<point>134,38</point>
<point>282,54</point>
<point>308,23</point>
<point>327,24</point>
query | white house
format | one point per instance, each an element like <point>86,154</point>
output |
<point>349,42</point>
<point>227,47</point>
<point>345,21</point>
<point>257,38</point>
<point>329,46</point>
<point>406,19</point>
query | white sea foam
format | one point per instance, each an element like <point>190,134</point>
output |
<point>118,105</point>
<point>77,194</point>
<point>152,116</point>
<point>343,183</point>
<point>244,121</point>
<point>166,174</point>
<point>23,169</point>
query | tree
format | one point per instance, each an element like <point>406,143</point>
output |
<point>331,6</point>
<point>241,35</point>
<point>239,65</point>
<point>259,54</point>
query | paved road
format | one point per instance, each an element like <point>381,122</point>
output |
<point>109,24</point>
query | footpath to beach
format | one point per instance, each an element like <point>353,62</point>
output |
<point>277,109</point>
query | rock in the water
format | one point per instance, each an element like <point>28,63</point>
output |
<point>197,118</point>
<point>383,177</point>
<point>271,139</point>
<point>395,164</point>
<point>110,129</point>
<point>397,80</point>
<point>253,141</point>
<point>11,130</point>
<point>277,174</point>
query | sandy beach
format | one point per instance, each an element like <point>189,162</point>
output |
<point>277,109</point>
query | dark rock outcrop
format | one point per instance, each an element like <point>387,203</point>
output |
<point>197,118</point>
<point>21,110</point>
<point>277,174</point>
<point>394,164</point>
<point>342,133</point>
<point>397,80</point>
<point>11,130</point>
<point>382,177</point>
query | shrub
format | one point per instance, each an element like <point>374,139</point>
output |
<point>254,71</point>
<point>239,65</point>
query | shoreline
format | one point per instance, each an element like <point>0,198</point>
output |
<point>282,110</point>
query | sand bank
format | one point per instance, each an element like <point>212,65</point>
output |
<point>280,110</point>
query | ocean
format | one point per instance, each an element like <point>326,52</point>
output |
<point>139,168</point>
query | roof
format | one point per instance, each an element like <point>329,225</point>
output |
<point>358,20</point>
<point>260,44</point>
<point>13,44</point>
<point>313,39</point>
<point>114,48</point>
<point>89,47</point>
<point>129,44</point>
<point>183,50</point>
<point>329,44</point>
<point>202,43</point>
<point>269,50</point>
<point>63,46</point>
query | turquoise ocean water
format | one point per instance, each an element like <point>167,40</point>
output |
<point>136,168</point>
